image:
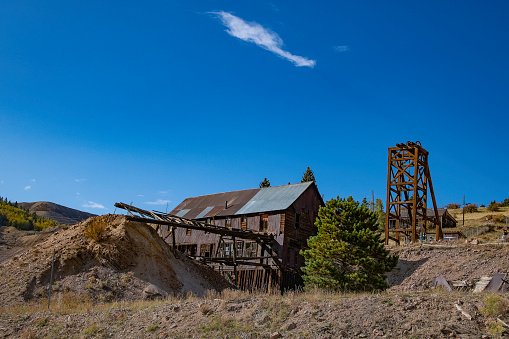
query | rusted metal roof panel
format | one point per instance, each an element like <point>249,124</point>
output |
<point>213,212</point>
<point>216,203</point>
<point>274,198</point>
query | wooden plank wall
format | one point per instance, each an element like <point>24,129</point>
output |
<point>270,280</point>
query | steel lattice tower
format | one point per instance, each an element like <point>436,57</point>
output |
<point>408,178</point>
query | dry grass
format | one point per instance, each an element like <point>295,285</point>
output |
<point>68,302</point>
<point>95,230</point>
<point>477,216</point>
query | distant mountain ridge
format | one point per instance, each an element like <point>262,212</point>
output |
<point>62,214</point>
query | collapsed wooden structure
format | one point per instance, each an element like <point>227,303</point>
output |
<point>408,179</point>
<point>253,238</point>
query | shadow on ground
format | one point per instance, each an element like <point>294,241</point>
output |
<point>404,269</point>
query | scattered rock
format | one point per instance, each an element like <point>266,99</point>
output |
<point>275,335</point>
<point>291,326</point>
<point>152,292</point>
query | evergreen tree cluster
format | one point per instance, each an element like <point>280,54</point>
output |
<point>347,253</point>
<point>12,215</point>
<point>308,175</point>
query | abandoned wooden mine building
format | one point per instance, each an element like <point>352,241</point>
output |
<point>446,219</point>
<point>286,212</point>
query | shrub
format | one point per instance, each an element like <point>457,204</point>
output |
<point>495,305</point>
<point>452,205</point>
<point>42,322</point>
<point>471,208</point>
<point>205,309</point>
<point>496,329</point>
<point>493,206</point>
<point>499,218</point>
<point>95,230</point>
<point>91,330</point>
<point>152,328</point>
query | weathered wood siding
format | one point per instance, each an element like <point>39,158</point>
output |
<point>295,239</point>
<point>289,239</point>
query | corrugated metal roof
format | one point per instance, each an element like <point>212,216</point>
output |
<point>429,212</point>
<point>254,200</point>
<point>181,213</point>
<point>216,203</point>
<point>204,212</point>
<point>274,198</point>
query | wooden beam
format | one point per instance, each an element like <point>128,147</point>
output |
<point>251,235</point>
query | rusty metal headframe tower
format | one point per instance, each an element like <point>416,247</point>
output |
<point>408,178</point>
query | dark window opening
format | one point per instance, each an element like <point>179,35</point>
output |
<point>228,222</point>
<point>264,221</point>
<point>251,249</point>
<point>225,250</point>
<point>240,248</point>
<point>189,249</point>
<point>206,250</point>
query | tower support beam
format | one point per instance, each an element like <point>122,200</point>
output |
<point>408,177</point>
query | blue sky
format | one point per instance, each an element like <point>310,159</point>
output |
<point>151,102</point>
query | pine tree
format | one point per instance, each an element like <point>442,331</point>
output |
<point>265,183</point>
<point>348,252</point>
<point>308,175</point>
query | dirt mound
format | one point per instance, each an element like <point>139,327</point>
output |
<point>419,265</point>
<point>127,261</point>
<point>50,210</point>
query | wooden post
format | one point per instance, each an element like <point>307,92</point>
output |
<point>218,245</point>
<point>235,273</point>
<point>463,210</point>
<point>173,229</point>
<point>51,278</point>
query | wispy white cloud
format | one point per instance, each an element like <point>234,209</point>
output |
<point>341,49</point>
<point>261,36</point>
<point>27,188</point>
<point>158,202</point>
<point>1,182</point>
<point>33,180</point>
<point>140,195</point>
<point>79,180</point>
<point>164,192</point>
<point>273,7</point>
<point>92,204</point>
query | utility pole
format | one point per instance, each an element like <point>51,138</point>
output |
<point>463,210</point>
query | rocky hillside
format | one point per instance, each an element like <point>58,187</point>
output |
<point>235,314</point>
<point>50,210</point>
